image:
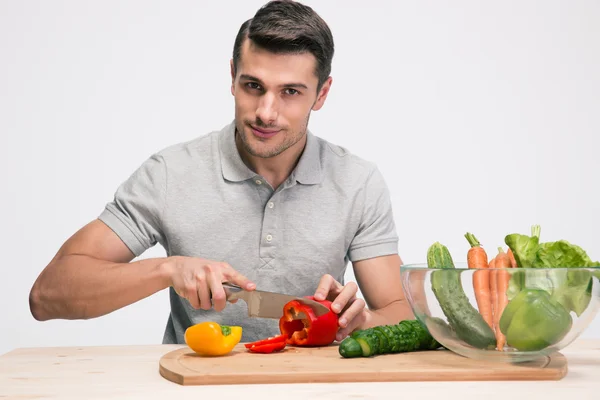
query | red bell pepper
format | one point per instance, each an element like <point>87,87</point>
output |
<point>273,339</point>
<point>309,331</point>
<point>269,345</point>
<point>268,348</point>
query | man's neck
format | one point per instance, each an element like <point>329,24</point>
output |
<point>275,169</point>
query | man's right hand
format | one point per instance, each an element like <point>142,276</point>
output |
<point>101,278</point>
<point>200,281</point>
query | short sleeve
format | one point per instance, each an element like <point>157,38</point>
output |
<point>376,234</point>
<point>136,210</point>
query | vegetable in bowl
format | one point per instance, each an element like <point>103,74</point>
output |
<point>523,302</point>
<point>572,288</point>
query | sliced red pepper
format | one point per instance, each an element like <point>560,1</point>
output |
<point>268,347</point>
<point>271,340</point>
<point>311,330</point>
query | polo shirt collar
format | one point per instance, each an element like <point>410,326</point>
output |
<point>308,170</point>
<point>232,165</point>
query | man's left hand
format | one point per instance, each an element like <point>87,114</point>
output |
<point>350,309</point>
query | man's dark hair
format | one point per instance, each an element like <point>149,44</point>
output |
<point>284,26</point>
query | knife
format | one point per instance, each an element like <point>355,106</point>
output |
<point>263,304</point>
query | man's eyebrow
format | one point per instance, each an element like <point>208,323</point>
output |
<point>287,85</point>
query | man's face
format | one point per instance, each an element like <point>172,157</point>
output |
<point>274,95</point>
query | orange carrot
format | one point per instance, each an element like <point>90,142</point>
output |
<point>511,256</point>
<point>477,258</point>
<point>502,279</point>
<point>493,290</point>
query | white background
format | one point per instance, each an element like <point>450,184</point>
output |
<point>482,116</point>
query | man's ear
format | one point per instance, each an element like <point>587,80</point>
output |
<point>232,77</point>
<point>322,94</point>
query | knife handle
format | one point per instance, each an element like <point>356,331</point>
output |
<point>233,292</point>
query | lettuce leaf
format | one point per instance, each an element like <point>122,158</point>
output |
<point>575,293</point>
<point>571,288</point>
<point>524,247</point>
<point>562,254</point>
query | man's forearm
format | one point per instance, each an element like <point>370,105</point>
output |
<point>82,287</point>
<point>389,315</point>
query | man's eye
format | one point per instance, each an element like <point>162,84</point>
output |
<point>291,91</point>
<point>252,85</point>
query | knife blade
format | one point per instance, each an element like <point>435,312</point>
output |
<point>262,304</point>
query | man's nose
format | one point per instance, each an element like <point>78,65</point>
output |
<point>267,109</point>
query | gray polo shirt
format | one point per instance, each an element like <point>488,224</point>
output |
<point>199,199</point>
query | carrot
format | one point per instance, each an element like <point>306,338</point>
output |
<point>477,258</point>
<point>502,278</point>
<point>493,290</point>
<point>513,261</point>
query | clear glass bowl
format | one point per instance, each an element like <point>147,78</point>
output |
<point>545,309</point>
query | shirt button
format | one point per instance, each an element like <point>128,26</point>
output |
<point>258,182</point>
<point>269,238</point>
<point>270,205</point>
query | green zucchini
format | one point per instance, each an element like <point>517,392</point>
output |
<point>407,335</point>
<point>463,318</point>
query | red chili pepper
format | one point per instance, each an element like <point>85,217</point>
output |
<point>309,331</point>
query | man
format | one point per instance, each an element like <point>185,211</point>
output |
<point>261,203</point>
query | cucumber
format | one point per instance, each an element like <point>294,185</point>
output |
<point>464,319</point>
<point>368,340</point>
<point>351,348</point>
<point>408,335</point>
<point>393,344</point>
<point>384,345</point>
<point>438,256</point>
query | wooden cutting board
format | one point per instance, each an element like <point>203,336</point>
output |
<point>324,364</point>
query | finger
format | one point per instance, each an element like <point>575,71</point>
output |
<point>323,287</point>
<point>190,293</point>
<point>355,309</point>
<point>326,285</point>
<point>215,284</point>
<point>345,297</point>
<point>351,326</point>
<point>203,289</point>
<point>233,276</point>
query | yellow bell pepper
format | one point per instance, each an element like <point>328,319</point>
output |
<point>212,339</point>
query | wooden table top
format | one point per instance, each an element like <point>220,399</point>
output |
<point>132,372</point>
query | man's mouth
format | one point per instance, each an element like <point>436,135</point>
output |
<point>264,133</point>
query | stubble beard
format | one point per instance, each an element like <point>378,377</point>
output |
<point>290,138</point>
